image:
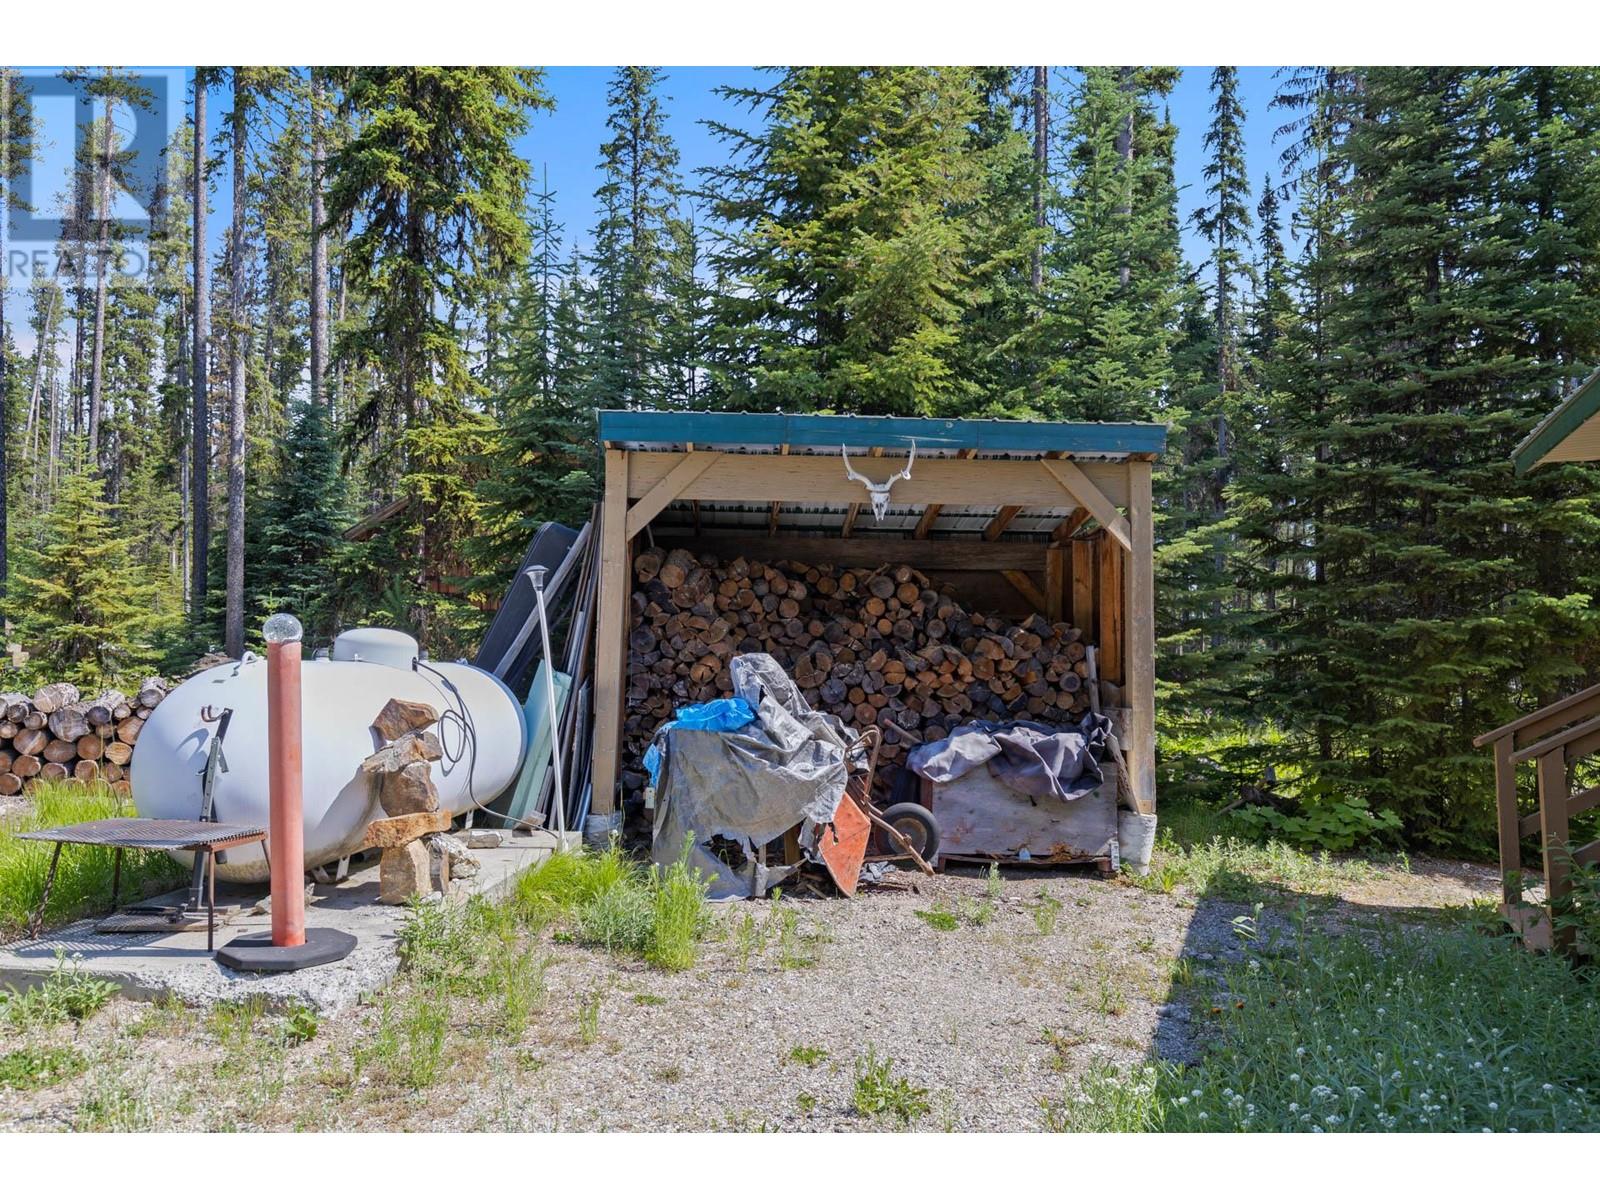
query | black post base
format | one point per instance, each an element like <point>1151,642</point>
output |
<point>255,952</point>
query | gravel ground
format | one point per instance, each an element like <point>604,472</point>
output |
<point>989,1018</point>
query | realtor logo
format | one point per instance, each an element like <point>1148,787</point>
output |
<point>88,162</point>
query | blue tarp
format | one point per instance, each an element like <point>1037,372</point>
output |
<point>716,715</point>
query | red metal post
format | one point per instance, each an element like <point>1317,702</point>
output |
<point>286,792</point>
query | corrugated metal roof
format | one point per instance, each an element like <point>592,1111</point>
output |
<point>768,433</point>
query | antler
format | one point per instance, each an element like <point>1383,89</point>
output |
<point>850,472</point>
<point>906,474</point>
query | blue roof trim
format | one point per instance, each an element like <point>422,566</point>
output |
<point>931,433</point>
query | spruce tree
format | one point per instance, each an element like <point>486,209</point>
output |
<point>302,519</point>
<point>848,265</point>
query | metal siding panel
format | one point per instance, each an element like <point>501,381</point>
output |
<point>641,428</point>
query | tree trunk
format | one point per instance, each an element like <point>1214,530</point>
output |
<point>199,416</point>
<point>319,247</point>
<point>233,625</point>
<point>1125,153</point>
<point>1041,163</point>
<point>102,267</point>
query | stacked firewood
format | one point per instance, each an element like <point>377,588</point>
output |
<point>59,734</point>
<point>878,648</point>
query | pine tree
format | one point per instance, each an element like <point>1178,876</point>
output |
<point>82,606</point>
<point>1443,585</point>
<point>633,243</point>
<point>433,175</point>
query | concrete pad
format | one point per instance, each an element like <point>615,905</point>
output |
<point>149,966</point>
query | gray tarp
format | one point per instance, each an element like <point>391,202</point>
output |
<point>749,785</point>
<point>1034,759</point>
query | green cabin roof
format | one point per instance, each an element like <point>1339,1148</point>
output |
<point>1570,433</point>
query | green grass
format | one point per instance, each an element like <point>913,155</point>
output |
<point>83,876</point>
<point>880,1092</point>
<point>35,1067</point>
<point>939,917</point>
<point>1195,851</point>
<point>1444,1030</point>
<point>609,901</point>
<point>808,1056</point>
<point>67,993</point>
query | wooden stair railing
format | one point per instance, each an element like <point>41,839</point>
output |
<point>1553,738</point>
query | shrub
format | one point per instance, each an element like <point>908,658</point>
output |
<point>880,1092</point>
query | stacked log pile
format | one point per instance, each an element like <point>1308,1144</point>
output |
<point>58,734</point>
<point>882,648</point>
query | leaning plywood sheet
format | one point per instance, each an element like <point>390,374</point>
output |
<point>980,817</point>
<point>540,723</point>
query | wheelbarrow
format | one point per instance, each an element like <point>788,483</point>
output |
<point>909,828</point>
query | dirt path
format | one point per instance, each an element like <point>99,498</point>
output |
<point>990,1019</point>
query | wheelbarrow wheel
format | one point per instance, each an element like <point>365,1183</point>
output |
<point>917,825</point>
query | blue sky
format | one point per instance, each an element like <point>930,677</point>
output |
<point>564,144</point>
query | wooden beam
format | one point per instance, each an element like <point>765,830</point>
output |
<point>1001,519</point>
<point>931,513</point>
<point>373,521</point>
<point>1140,692</point>
<point>820,479</point>
<point>690,467</point>
<point>1027,589</point>
<point>870,550</point>
<point>1073,522</point>
<point>1553,795</point>
<point>1082,489</point>
<point>610,631</point>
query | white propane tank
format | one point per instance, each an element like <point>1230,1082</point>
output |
<point>481,729</point>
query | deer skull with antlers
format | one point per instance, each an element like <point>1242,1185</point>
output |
<point>879,492</point>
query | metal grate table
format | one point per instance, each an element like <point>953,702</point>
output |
<point>141,833</point>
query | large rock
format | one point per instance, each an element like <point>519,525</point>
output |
<point>400,717</point>
<point>401,753</point>
<point>409,790</point>
<point>404,872</point>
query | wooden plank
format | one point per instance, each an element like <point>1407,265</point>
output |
<point>997,526</point>
<point>1578,802</point>
<point>1083,584</point>
<point>871,550</point>
<point>1028,589</point>
<point>1556,834</point>
<point>1140,692</point>
<point>1055,582</point>
<point>1588,700</point>
<point>820,479</point>
<point>374,521</point>
<point>1071,524</point>
<point>1558,740</point>
<point>610,630</point>
<point>690,467</point>
<point>1075,480</point>
<point>806,429</point>
<point>1109,600</point>
<point>931,513</point>
<point>777,505</point>
<point>1505,793</point>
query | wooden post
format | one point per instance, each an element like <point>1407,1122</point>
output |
<point>1083,585</point>
<point>1505,794</point>
<point>1055,582</point>
<point>1111,607</point>
<point>610,633</point>
<point>1140,690</point>
<point>1553,819</point>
